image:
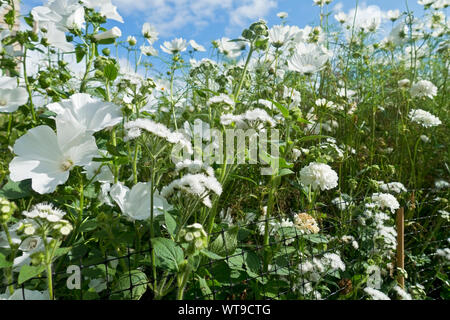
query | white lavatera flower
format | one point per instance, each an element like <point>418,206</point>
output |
<point>47,158</point>
<point>11,96</point>
<point>135,202</point>
<point>86,113</point>
<point>174,46</point>
<point>105,7</point>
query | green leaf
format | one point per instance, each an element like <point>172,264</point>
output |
<point>169,254</point>
<point>80,52</point>
<point>211,255</point>
<point>28,272</point>
<point>3,262</point>
<point>61,251</point>
<point>170,223</point>
<point>284,111</point>
<point>285,172</point>
<point>135,280</point>
<point>206,291</point>
<point>316,238</point>
<point>312,137</point>
<point>89,225</point>
<point>16,190</point>
<point>226,243</point>
<point>111,71</point>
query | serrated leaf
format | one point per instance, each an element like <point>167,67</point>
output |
<point>111,71</point>
<point>170,223</point>
<point>80,52</point>
<point>169,254</point>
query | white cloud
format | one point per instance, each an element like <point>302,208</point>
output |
<point>170,16</point>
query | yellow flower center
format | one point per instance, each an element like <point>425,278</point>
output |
<point>3,102</point>
<point>66,165</point>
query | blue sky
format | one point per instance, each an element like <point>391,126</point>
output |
<point>207,20</point>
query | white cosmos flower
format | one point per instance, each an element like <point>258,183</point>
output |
<point>174,46</point>
<point>149,32</point>
<point>47,158</point>
<point>135,203</point>
<point>196,46</point>
<point>86,113</point>
<point>11,96</point>
<point>393,14</point>
<point>282,15</point>
<point>148,51</point>
<point>341,17</point>
<point>308,58</point>
<point>319,175</point>
<point>231,49</point>
<point>279,35</point>
<point>112,33</point>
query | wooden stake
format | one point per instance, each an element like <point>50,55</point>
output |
<point>400,221</point>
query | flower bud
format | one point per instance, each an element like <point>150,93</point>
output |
<point>110,34</point>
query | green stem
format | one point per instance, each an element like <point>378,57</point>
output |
<point>236,95</point>
<point>28,86</point>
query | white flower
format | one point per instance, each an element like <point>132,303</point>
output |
<point>196,46</point>
<point>441,184</point>
<point>386,200</point>
<point>249,118</point>
<point>231,49</point>
<point>444,253</point>
<point>282,15</point>
<point>393,14</point>
<point>404,83</point>
<point>107,9</point>
<point>423,88</point>
<point>279,35</point>
<point>131,40</point>
<point>47,158</point>
<point>175,46</point>
<point>196,184</point>
<point>319,175</point>
<point>135,203</point>
<point>86,113</point>
<point>112,33</point>
<point>11,96</point>
<point>221,99</point>
<point>341,17</point>
<point>149,32</point>
<point>395,187</point>
<point>424,118</point>
<point>148,51</point>
<point>308,58</point>
<point>376,294</point>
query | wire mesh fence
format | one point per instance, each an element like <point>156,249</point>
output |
<point>293,264</point>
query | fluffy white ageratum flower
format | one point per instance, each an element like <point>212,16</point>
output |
<point>11,96</point>
<point>423,88</point>
<point>319,175</point>
<point>386,200</point>
<point>47,158</point>
<point>424,118</point>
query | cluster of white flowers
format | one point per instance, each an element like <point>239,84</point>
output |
<point>249,118</point>
<point>306,223</point>
<point>196,184</point>
<point>194,166</point>
<point>385,200</point>
<point>46,213</point>
<point>158,129</point>
<point>395,187</point>
<point>424,118</point>
<point>319,175</point>
<point>376,294</point>
<point>342,202</point>
<point>444,253</point>
<point>423,88</point>
<point>222,100</point>
<point>350,239</point>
